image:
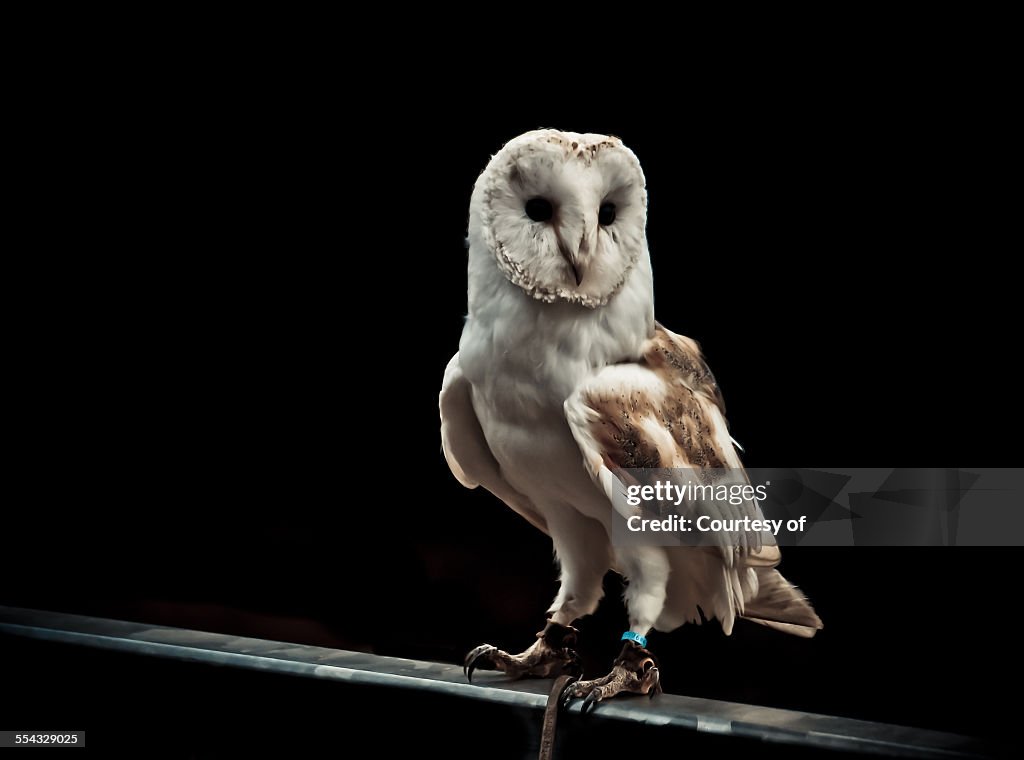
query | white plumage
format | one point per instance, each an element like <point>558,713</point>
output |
<point>562,372</point>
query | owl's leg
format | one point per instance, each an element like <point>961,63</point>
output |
<point>635,670</point>
<point>550,655</point>
<point>584,556</point>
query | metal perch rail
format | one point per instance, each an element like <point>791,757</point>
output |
<point>723,719</point>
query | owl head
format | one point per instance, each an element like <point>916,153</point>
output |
<point>563,215</point>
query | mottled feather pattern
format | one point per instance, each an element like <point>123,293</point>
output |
<point>685,404</point>
<point>665,410</point>
<point>678,359</point>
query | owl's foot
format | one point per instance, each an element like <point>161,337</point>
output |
<point>551,655</point>
<point>635,671</point>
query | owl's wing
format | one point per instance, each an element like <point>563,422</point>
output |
<point>663,411</point>
<point>465,447</point>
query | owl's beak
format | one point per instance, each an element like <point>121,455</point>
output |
<point>572,257</point>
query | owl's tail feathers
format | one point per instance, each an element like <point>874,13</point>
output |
<point>780,605</point>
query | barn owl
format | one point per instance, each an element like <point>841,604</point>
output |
<point>562,375</point>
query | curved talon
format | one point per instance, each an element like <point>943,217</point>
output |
<point>591,700</point>
<point>473,658</point>
<point>566,696</point>
<point>566,693</point>
<point>473,653</point>
<point>656,686</point>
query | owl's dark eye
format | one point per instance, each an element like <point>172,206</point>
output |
<point>606,214</point>
<point>539,209</point>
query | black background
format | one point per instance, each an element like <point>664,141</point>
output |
<point>231,392</point>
